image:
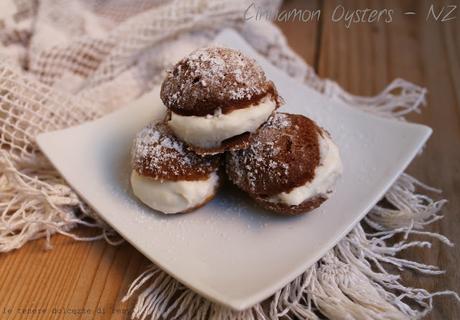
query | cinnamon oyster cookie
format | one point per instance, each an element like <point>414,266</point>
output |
<point>167,176</point>
<point>290,167</point>
<point>216,98</point>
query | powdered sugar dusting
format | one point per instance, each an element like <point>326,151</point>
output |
<point>282,153</point>
<point>214,65</point>
<point>213,74</point>
<point>261,156</point>
<point>278,121</point>
<point>258,158</point>
<point>157,153</point>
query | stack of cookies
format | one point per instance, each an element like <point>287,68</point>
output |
<point>222,120</point>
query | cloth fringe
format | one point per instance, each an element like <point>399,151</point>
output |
<point>36,203</point>
<point>342,285</point>
<point>399,98</point>
<point>351,281</point>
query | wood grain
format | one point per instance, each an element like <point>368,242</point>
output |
<point>81,277</point>
<point>363,59</point>
<point>304,37</point>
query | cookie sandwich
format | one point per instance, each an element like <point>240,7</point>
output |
<point>169,177</point>
<point>217,97</point>
<point>290,167</point>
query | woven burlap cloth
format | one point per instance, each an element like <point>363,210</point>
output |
<point>66,62</point>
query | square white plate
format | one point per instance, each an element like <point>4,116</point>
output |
<point>231,251</point>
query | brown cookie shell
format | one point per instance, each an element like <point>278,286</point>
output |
<point>284,209</point>
<point>212,79</point>
<point>283,155</point>
<point>158,154</point>
<point>238,142</point>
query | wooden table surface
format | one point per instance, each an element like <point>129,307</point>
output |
<point>79,276</point>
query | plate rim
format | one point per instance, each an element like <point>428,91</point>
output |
<point>252,299</point>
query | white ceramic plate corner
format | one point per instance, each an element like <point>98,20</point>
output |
<point>230,251</point>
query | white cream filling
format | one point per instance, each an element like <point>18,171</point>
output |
<point>209,131</point>
<point>173,196</point>
<point>326,174</point>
